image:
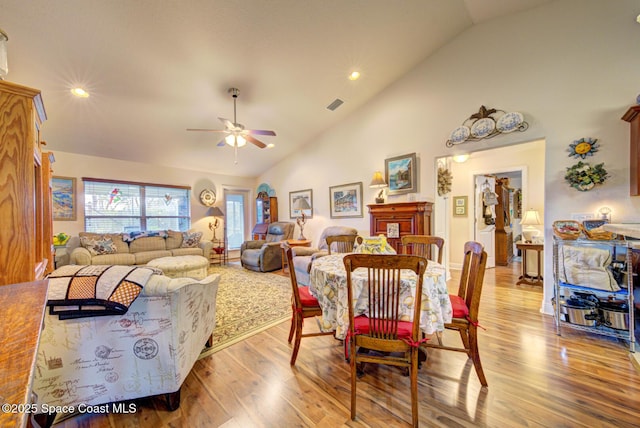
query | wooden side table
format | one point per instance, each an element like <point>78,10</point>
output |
<point>526,278</point>
<point>219,254</point>
<point>292,243</point>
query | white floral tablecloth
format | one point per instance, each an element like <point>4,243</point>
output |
<point>329,285</point>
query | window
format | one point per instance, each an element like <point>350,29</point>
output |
<point>123,206</point>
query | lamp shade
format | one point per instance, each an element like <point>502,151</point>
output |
<point>4,67</point>
<point>301,204</point>
<point>215,212</point>
<point>378,180</point>
<point>531,218</point>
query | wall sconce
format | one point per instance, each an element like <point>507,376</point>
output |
<point>605,214</point>
<point>214,212</point>
<point>302,205</point>
<point>529,219</point>
<point>377,182</point>
<point>4,66</point>
<point>461,158</point>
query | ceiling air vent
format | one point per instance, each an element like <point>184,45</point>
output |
<point>335,104</point>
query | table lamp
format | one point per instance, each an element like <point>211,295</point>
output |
<point>529,219</point>
<point>214,212</point>
<point>377,182</point>
<point>302,205</point>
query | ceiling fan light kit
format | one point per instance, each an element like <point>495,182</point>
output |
<point>237,135</point>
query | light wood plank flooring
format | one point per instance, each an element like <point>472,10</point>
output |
<point>536,379</point>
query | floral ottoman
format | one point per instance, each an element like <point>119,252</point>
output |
<point>182,266</point>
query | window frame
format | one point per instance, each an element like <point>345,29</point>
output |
<point>143,217</point>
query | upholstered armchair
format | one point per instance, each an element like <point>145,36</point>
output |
<point>265,255</point>
<point>304,256</point>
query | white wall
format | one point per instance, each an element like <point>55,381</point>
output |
<point>570,66</point>
<point>74,165</point>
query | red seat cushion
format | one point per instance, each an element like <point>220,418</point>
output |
<point>306,298</point>
<point>460,309</point>
<point>361,326</point>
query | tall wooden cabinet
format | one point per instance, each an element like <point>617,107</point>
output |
<point>26,240</point>
<point>395,220</point>
<point>503,233</point>
<point>266,212</point>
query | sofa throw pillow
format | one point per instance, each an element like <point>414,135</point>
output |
<point>191,239</point>
<point>100,246</point>
<point>374,245</point>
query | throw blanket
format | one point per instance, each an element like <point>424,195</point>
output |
<point>77,291</point>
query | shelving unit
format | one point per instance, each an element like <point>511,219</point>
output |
<point>619,249</point>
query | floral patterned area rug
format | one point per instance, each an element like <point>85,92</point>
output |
<point>248,302</point>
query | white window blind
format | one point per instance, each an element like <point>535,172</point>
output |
<point>116,206</point>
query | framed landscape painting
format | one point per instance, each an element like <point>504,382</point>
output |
<point>63,191</point>
<point>401,174</point>
<point>346,200</point>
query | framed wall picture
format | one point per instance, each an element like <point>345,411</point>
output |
<point>64,198</point>
<point>401,173</point>
<point>460,206</point>
<point>346,200</point>
<point>301,201</point>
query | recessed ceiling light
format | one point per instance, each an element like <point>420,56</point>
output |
<point>80,93</point>
<point>355,75</point>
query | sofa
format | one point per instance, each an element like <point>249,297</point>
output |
<point>265,255</point>
<point>147,351</point>
<point>137,248</point>
<point>303,257</point>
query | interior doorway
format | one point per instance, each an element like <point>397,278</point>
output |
<point>525,159</point>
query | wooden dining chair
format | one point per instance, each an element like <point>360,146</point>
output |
<point>304,305</point>
<point>341,243</point>
<point>394,341</point>
<point>423,245</point>
<point>466,305</point>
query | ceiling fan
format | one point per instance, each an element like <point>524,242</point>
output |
<point>237,135</point>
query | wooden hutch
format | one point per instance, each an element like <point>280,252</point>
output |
<point>400,218</point>
<point>26,241</point>
<point>266,213</point>
<point>503,233</point>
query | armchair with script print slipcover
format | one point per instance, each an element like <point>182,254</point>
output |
<point>147,351</point>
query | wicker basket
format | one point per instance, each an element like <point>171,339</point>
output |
<point>567,229</point>
<point>593,230</point>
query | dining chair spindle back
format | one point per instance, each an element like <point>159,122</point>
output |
<point>423,245</point>
<point>381,336</point>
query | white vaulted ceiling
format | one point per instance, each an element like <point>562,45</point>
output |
<point>157,67</point>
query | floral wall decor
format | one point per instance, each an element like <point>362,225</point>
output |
<point>583,177</point>
<point>583,147</point>
<point>487,123</point>
<point>444,181</point>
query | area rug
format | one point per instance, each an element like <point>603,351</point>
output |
<point>248,302</point>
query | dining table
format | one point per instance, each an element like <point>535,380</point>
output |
<point>328,283</point>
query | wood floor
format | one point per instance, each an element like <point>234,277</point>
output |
<point>536,379</point>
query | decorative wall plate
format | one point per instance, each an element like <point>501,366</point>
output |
<point>483,127</point>
<point>460,134</point>
<point>208,197</point>
<point>509,122</point>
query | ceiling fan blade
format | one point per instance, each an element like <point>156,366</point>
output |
<point>207,130</point>
<point>258,143</point>
<point>260,132</point>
